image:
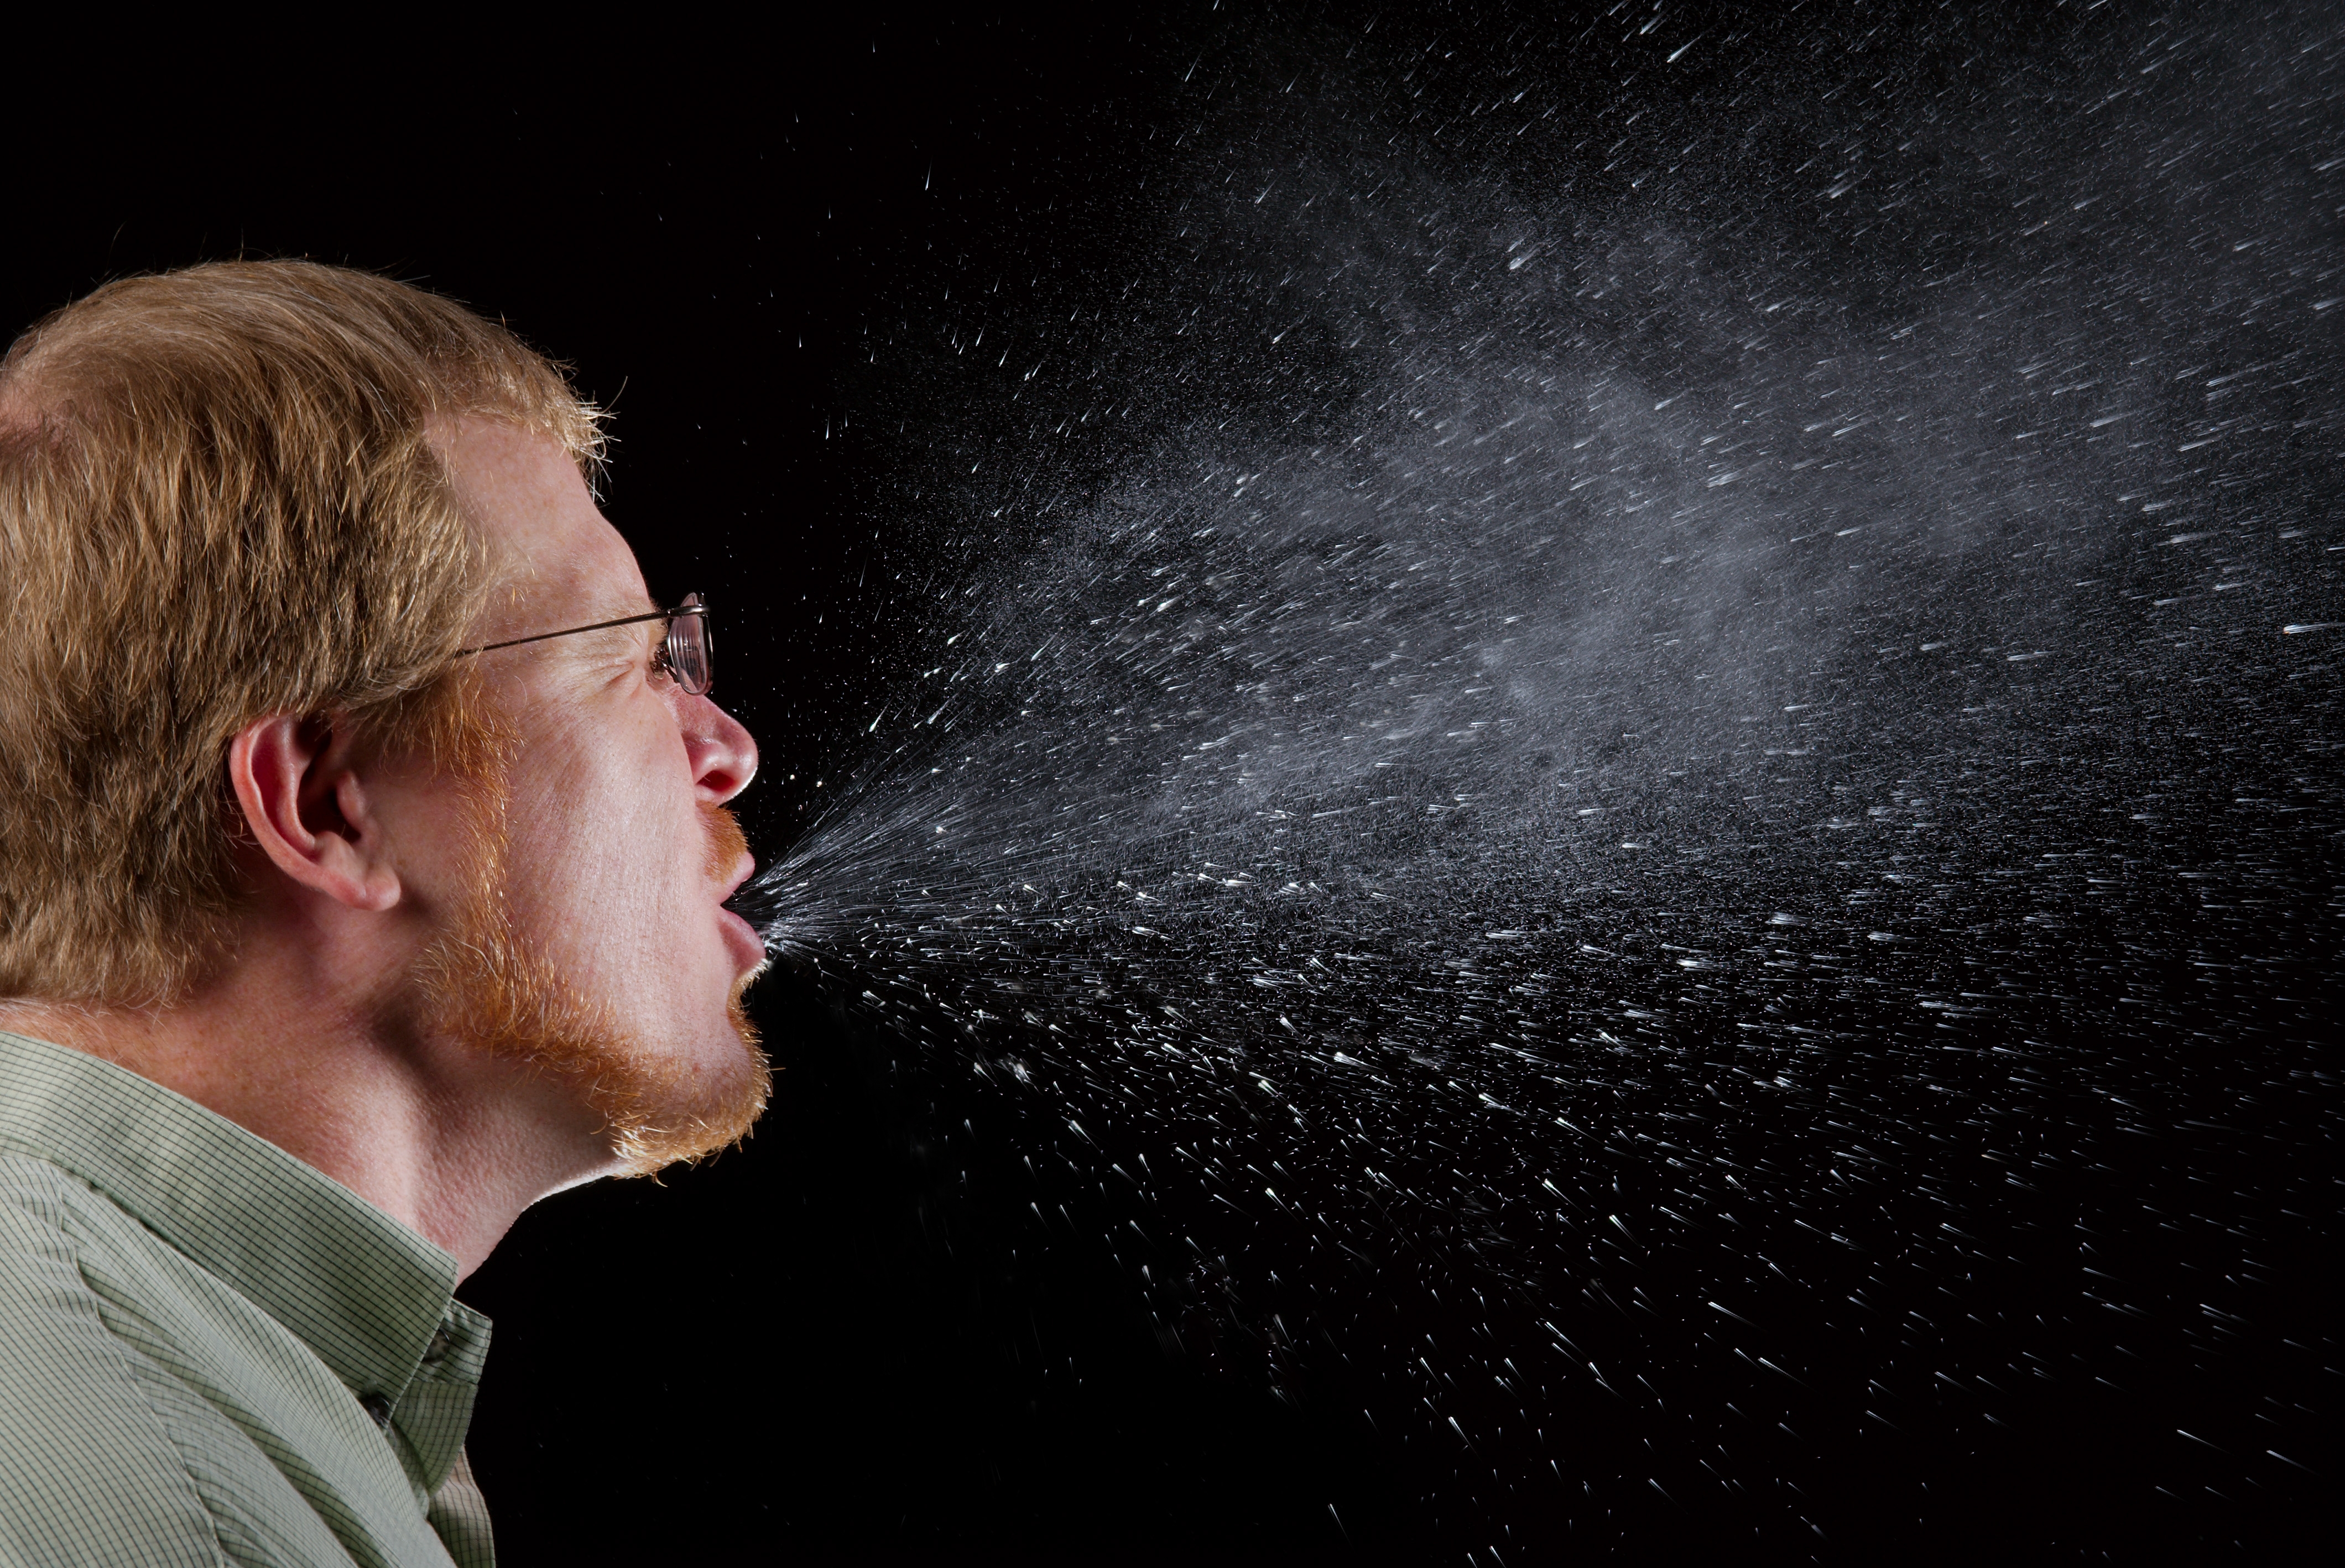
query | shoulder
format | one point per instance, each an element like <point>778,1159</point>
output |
<point>49,1221</point>
<point>41,1286</point>
<point>88,1473</point>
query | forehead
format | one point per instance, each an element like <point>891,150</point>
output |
<point>555,559</point>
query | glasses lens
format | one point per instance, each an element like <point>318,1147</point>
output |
<point>688,650</point>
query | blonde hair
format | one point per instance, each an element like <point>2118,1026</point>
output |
<point>219,500</point>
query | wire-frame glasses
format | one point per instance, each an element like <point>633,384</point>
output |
<point>687,653</point>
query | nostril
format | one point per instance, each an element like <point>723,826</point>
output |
<point>723,755</point>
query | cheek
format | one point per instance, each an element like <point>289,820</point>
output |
<point>596,846</point>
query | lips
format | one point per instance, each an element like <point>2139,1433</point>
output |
<point>748,948</point>
<point>728,851</point>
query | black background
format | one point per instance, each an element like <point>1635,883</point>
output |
<point>818,1348</point>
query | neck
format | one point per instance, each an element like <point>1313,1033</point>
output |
<point>446,1139</point>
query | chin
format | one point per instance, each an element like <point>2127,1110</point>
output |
<point>685,1108</point>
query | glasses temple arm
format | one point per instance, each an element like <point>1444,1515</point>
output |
<point>598,626</point>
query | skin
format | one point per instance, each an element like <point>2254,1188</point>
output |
<point>319,1036</point>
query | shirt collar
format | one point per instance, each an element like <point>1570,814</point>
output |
<point>364,1292</point>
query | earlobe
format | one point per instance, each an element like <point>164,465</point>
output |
<point>306,808</point>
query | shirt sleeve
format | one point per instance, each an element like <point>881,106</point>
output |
<point>88,1473</point>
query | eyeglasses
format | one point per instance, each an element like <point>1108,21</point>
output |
<point>686,654</point>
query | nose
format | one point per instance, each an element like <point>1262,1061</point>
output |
<point>723,756</point>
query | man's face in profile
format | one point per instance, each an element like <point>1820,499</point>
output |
<point>594,938</point>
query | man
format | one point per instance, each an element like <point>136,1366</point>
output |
<point>362,850</point>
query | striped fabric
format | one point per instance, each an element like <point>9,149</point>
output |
<point>210,1353</point>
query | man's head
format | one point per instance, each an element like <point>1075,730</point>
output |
<point>590,939</point>
<point>249,516</point>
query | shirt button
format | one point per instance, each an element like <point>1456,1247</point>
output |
<point>379,1407</point>
<point>437,1350</point>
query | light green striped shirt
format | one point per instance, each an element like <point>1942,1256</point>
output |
<point>211,1353</point>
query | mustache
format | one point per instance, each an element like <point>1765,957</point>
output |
<point>726,843</point>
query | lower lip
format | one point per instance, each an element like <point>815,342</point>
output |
<point>742,936</point>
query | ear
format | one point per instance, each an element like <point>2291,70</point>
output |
<point>296,780</point>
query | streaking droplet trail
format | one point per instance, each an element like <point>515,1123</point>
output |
<point>1697,885</point>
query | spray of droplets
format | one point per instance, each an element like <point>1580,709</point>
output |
<point>1630,893</point>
